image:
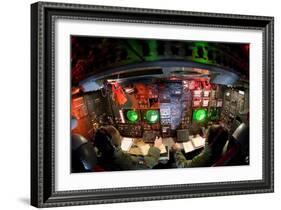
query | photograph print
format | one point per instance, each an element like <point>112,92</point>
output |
<point>148,104</point>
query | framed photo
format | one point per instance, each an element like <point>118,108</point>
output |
<point>136,104</point>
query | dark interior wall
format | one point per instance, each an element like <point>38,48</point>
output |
<point>84,128</point>
<point>91,110</point>
<point>80,111</point>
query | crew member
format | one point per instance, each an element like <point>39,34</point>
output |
<point>217,136</point>
<point>111,157</point>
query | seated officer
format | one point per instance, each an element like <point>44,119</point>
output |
<point>217,136</point>
<point>111,157</point>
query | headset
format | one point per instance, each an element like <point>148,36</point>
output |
<point>216,137</point>
<point>103,141</point>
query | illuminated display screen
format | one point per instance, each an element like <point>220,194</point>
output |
<point>197,93</point>
<point>151,116</point>
<point>196,102</point>
<point>205,102</point>
<point>199,115</point>
<point>219,103</point>
<point>132,115</point>
<point>213,114</point>
<point>206,93</point>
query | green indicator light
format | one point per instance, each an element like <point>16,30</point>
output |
<point>199,115</point>
<point>132,116</point>
<point>152,116</point>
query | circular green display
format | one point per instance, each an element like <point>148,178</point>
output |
<point>132,116</point>
<point>152,116</point>
<point>199,115</point>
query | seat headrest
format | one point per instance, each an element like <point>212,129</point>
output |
<point>241,134</point>
<point>77,140</point>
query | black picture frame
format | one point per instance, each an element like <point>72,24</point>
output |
<point>43,15</point>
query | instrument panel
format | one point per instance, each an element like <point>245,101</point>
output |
<point>165,107</point>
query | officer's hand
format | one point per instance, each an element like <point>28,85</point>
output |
<point>176,147</point>
<point>158,142</point>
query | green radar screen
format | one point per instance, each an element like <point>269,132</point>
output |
<point>200,115</point>
<point>132,116</point>
<point>152,116</point>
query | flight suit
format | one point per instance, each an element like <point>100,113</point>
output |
<point>201,160</point>
<point>125,161</point>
